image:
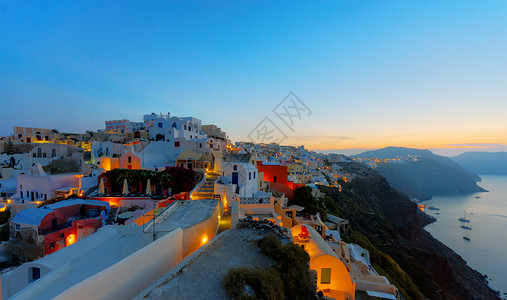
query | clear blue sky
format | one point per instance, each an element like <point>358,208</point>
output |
<point>374,73</point>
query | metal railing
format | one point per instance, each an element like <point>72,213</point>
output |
<point>255,200</point>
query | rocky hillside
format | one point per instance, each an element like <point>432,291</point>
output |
<point>394,225</point>
<point>428,175</point>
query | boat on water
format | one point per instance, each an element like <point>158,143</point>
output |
<point>433,208</point>
<point>466,238</point>
<point>464,218</point>
<point>466,227</point>
<point>477,197</point>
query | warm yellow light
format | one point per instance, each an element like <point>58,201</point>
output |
<point>71,239</point>
<point>204,240</point>
<point>38,202</point>
<point>9,201</point>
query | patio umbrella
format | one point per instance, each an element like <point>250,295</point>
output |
<point>101,186</point>
<point>148,188</point>
<point>125,187</point>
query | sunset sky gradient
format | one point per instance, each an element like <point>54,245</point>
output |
<point>428,74</point>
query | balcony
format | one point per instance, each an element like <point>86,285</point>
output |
<point>255,200</point>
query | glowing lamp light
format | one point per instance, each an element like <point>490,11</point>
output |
<point>204,239</point>
<point>71,239</point>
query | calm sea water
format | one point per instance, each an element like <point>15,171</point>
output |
<point>486,251</point>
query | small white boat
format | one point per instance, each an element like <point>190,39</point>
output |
<point>464,218</point>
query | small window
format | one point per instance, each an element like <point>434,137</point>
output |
<point>249,175</point>
<point>51,246</point>
<point>325,275</point>
<point>160,125</point>
<point>44,155</point>
<point>254,175</point>
<point>20,186</point>
<point>176,144</point>
<point>35,273</point>
<point>130,159</point>
<point>62,235</point>
<point>235,167</point>
<point>18,227</point>
<point>200,145</point>
<point>34,155</point>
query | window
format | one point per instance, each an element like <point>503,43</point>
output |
<point>18,227</point>
<point>27,194</point>
<point>189,127</point>
<point>44,155</point>
<point>176,144</point>
<point>35,273</point>
<point>200,145</point>
<point>211,145</point>
<point>249,175</point>
<point>53,152</point>
<point>190,137</point>
<point>62,235</point>
<point>34,155</point>
<point>51,246</point>
<point>254,175</point>
<point>235,167</point>
<point>20,186</point>
<point>325,275</point>
<point>130,159</point>
<point>160,125</point>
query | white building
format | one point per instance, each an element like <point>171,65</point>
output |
<point>167,128</point>
<point>238,170</point>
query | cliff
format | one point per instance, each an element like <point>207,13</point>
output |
<point>394,225</point>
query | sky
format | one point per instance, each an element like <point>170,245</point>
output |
<point>370,74</point>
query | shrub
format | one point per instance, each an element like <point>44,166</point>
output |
<point>4,216</point>
<point>4,232</point>
<point>291,262</point>
<point>245,284</point>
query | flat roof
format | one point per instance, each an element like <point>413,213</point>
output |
<point>88,257</point>
<point>186,213</point>
<point>111,244</point>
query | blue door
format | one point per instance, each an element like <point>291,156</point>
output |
<point>234,177</point>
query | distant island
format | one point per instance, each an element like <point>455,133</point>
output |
<point>419,173</point>
<point>483,163</point>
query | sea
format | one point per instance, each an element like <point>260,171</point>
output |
<point>486,251</point>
